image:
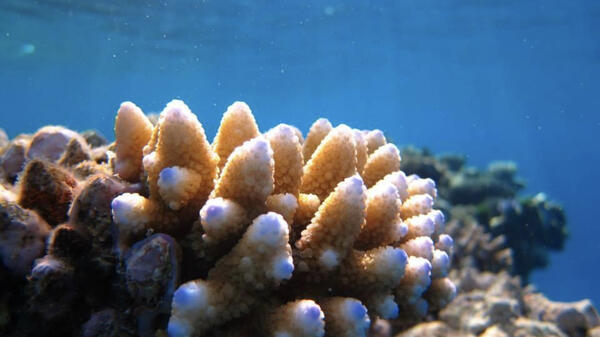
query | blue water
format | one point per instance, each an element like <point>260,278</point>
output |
<point>493,79</point>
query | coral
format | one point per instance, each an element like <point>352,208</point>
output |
<point>237,126</point>
<point>474,247</point>
<point>487,202</point>
<point>22,235</point>
<point>545,230</point>
<point>75,153</point>
<point>13,159</point>
<point>50,142</point>
<point>132,132</point>
<point>94,138</point>
<point>180,167</point>
<point>47,189</point>
<point>162,233</point>
<point>271,225</point>
<point>573,318</point>
<point>495,304</point>
<point>152,271</point>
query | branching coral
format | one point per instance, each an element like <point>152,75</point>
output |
<point>328,228</point>
<point>255,234</point>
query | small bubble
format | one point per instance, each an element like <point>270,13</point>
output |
<point>539,128</point>
<point>282,71</point>
<point>7,34</point>
<point>114,56</point>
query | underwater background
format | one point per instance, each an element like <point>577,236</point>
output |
<point>494,80</point>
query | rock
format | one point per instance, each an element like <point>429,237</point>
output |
<point>573,318</point>
<point>494,331</point>
<point>13,159</point>
<point>22,237</point>
<point>476,311</point>
<point>94,138</point>
<point>47,189</point>
<point>433,329</point>
<point>524,327</point>
<point>50,142</point>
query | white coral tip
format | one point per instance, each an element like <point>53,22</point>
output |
<point>268,229</point>
<point>123,208</point>
<point>329,259</point>
<point>283,267</point>
<point>190,296</point>
<point>310,317</point>
<point>356,314</point>
<point>212,214</point>
<point>177,110</point>
<point>178,328</point>
<point>388,309</point>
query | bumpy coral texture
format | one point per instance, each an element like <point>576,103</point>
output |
<point>291,237</point>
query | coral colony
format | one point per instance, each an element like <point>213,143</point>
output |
<point>254,234</point>
<point>266,234</point>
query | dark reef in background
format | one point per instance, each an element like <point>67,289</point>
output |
<point>529,226</point>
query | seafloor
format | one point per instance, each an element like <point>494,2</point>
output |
<point>96,237</point>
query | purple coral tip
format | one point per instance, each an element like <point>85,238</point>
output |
<point>313,312</point>
<point>214,211</point>
<point>400,256</point>
<point>168,175</point>
<point>116,204</point>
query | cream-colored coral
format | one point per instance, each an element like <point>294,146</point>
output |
<point>287,155</point>
<point>301,318</point>
<point>375,139</point>
<point>382,217</point>
<point>132,132</point>
<point>179,167</point>
<point>284,204</point>
<point>247,177</point>
<point>261,259</point>
<point>383,161</point>
<point>237,126</point>
<point>320,128</point>
<point>361,150</point>
<point>333,161</point>
<point>330,221</point>
<point>179,141</point>
<point>333,230</point>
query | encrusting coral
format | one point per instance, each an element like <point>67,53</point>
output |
<point>255,234</point>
